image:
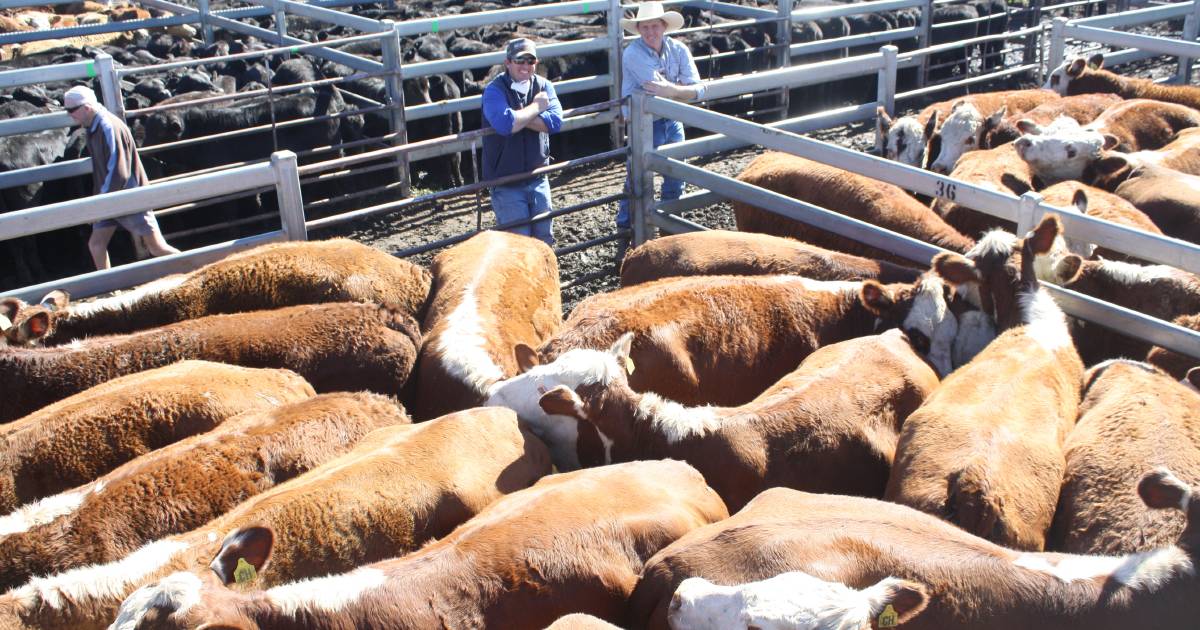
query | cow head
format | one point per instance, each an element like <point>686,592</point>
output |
<point>922,312</point>
<point>1061,150</point>
<point>963,131</point>
<point>162,127</point>
<point>573,369</point>
<point>795,601</point>
<point>203,599</point>
<point>27,325</point>
<point>903,139</point>
<point>1061,77</point>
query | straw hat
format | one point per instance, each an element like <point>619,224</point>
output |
<point>653,11</point>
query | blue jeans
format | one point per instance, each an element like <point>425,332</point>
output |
<point>665,132</point>
<point>522,201</point>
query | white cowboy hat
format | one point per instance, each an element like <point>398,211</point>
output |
<point>653,11</point>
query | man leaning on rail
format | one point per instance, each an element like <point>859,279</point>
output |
<point>523,109</point>
<point>663,67</point>
<point>115,166</point>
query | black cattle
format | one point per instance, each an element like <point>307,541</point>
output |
<point>944,65</point>
<point>25,264</point>
<point>191,81</point>
<point>153,89</point>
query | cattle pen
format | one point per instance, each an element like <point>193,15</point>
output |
<point>1036,49</point>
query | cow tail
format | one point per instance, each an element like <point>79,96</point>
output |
<point>972,502</point>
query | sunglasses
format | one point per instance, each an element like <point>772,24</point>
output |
<point>525,61</point>
<point>71,110</point>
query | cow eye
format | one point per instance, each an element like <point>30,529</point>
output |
<point>970,141</point>
<point>1070,152</point>
<point>919,341</point>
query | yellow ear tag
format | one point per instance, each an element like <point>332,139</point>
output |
<point>888,618</point>
<point>244,572</point>
<point>629,365</point>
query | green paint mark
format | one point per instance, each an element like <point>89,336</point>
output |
<point>586,8</point>
<point>295,49</point>
<point>435,26</point>
<point>91,70</point>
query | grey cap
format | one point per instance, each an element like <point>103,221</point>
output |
<point>521,46</point>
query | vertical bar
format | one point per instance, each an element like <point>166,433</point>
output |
<point>287,191</point>
<point>1058,44</point>
<point>925,39</point>
<point>394,83</point>
<point>885,91</point>
<point>281,21</point>
<point>1032,41</point>
<point>1029,213</point>
<point>641,178</point>
<point>783,50</point>
<point>1183,75</point>
<point>110,85</point>
<point>616,129</point>
<point>205,26</point>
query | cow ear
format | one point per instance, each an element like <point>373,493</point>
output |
<point>955,268</point>
<point>526,357</point>
<point>1110,142</point>
<point>1066,270</point>
<point>34,327</point>
<point>56,300</point>
<point>1030,127</point>
<point>1162,490</point>
<point>1109,164</point>
<point>176,126</point>
<point>931,125</point>
<point>1096,61</point>
<point>562,401</point>
<point>895,602</point>
<point>621,347</point>
<point>1193,377</point>
<point>1080,201</point>
<point>9,307</point>
<point>959,103</point>
<point>1041,239</point>
<point>243,554</point>
<point>876,297</point>
<point>997,116</point>
<point>1076,67</point>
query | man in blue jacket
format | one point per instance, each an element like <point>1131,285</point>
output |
<point>524,110</point>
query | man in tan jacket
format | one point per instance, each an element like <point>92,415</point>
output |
<point>115,166</point>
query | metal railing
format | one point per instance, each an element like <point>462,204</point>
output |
<point>1136,47</point>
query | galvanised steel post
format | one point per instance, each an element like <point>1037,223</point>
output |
<point>641,178</point>
<point>394,83</point>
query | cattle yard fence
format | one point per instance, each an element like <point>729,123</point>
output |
<point>1132,46</point>
<point>1025,210</point>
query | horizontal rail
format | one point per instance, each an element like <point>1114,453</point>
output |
<point>35,123</point>
<point>68,32</point>
<point>1161,45</point>
<point>823,13</point>
<point>499,16</point>
<point>1137,17</point>
<point>957,45</point>
<point>850,41</point>
<point>465,103</point>
<point>468,62</point>
<point>48,172</point>
<point>738,10</point>
<point>800,124</point>
<point>123,72</point>
<point>48,74</point>
<point>1126,321</point>
<point>808,74</point>
<point>983,78</point>
<point>341,18</point>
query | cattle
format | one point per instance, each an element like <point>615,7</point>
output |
<point>851,194</point>
<point>266,277</point>
<point>1082,108</point>
<point>713,340</point>
<point>1100,204</point>
<point>1156,290</point>
<point>1167,196</point>
<point>997,475</point>
<point>794,600</point>
<point>1182,154</point>
<point>965,126</point>
<point>199,477</point>
<point>1000,169</point>
<point>574,542</point>
<point>724,252</point>
<point>77,439</point>
<point>580,621</point>
<point>1065,151</point>
<point>907,137</point>
<point>490,293</point>
<point>959,26</point>
<point>1110,447</point>
<point>781,438</point>
<point>1174,363</point>
<point>1078,76</point>
<point>400,487</point>
<point>335,347</point>
<point>971,582</point>
<point>20,152</point>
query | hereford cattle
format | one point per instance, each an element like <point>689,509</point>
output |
<point>1080,77</point>
<point>574,542</point>
<point>335,347</point>
<point>723,252</point>
<point>967,122</point>
<point>1082,108</point>
<point>1167,196</point>
<point>906,137</point>
<point>997,475</point>
<point>1157,290</point>
<point>580,621</point>
<point>1064,151</point>
<point>1174,363</point>
<point>717,339</point>
<point>794,600</point>
<point>804,432</point>
<point>1182,154</point>
<point>400,487</point>
<point>1133,417</point>
<point>1100,204</point>
<point>1000,169</point>
<point>266,277</point>
<point>851,194</point>
<point>199,477</point>
<point>76,440</point>
<point>490,293</point>
<point>970,582</point>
